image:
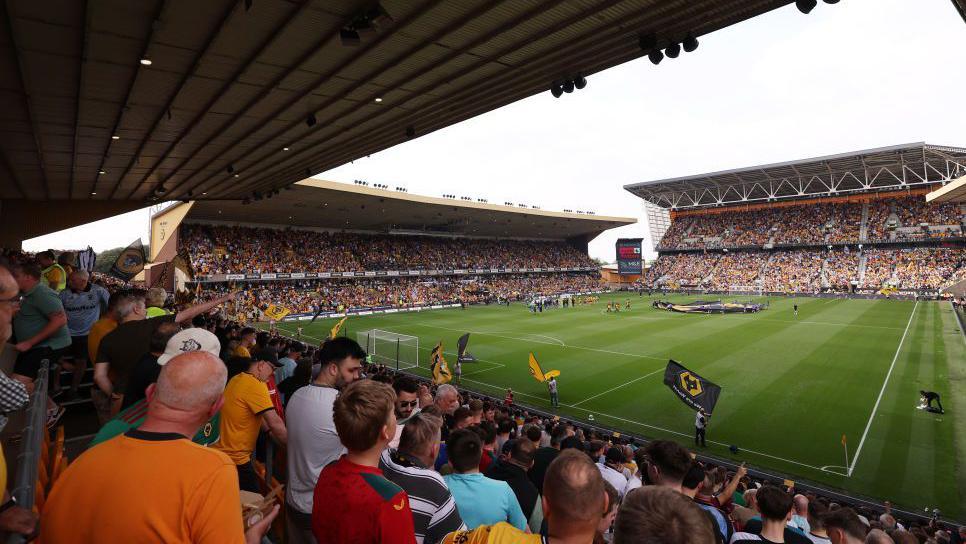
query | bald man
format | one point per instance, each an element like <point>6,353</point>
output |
<point>574,501</point>
<point>13,396</point>
<point>152,483</point>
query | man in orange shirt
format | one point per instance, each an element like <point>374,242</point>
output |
<point>248,405</point>
<point>153,484</point>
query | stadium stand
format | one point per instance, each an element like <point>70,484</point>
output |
<point>799,240</point>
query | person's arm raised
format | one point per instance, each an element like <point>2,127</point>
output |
<point>190,313</point>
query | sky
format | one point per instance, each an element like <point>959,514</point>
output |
<point>783,86</point>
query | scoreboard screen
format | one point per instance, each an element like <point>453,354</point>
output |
<point>629,256</point>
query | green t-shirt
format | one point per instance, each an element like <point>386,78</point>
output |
<point>38,303</point>
<point>154,311</point>
<point>133,416</point>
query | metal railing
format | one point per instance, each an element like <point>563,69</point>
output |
<point>28,460</point>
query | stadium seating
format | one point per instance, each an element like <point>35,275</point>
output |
<point>233,250</point>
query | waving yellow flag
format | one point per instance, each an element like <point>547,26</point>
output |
<point>538,373</point>
<point>338,327</point>
<point>438,366</point>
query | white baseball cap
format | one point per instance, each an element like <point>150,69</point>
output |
<point>189,340</point>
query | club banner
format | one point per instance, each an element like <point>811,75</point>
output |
<point>538,373</point>
<point>462,356</point>
<point>129,262</point>
<point>277,313</point>
<point>438,366</point>
<point>693,390</point>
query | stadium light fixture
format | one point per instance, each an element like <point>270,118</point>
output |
<point>690,44</point>
<point>95,192</point>
<point>580,82</point>
<point>656,56</point>
<point>568,86</point>
<point>673,50</point>
<point>831,1</point>
<point>230,169</point>
<point>161,190</point>
<point>101,172</point>
<point>349,37</point>
<point>556,90</point>
<point>378,99</point>
<point>146,62</point>
<point>311,120</point>
<point>806,6</point>
<point>284,149</point>
<point>115,137</point>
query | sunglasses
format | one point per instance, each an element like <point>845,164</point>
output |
<point>412,403</point>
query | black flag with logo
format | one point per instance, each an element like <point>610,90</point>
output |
<point>129,262</point>
<point>462,355</point>
<point>693,390</point>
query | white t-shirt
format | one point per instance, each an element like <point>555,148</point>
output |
<point>613,477</point>
<point>699,421</point>
<point>552,384</point>
<point>313,442</point>
<point>818,539</point>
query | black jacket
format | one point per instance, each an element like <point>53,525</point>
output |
<point>523,488</point>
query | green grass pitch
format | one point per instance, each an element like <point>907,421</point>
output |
<point>791,387</point>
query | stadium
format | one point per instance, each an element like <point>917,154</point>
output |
<point>783,356</point>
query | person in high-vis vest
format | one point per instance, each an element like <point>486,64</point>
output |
<point>53,274</point>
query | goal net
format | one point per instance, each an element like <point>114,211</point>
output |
<point>399,351</point>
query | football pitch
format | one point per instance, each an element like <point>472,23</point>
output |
<point>791,386</point>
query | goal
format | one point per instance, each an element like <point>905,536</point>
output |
<point>400,351</point>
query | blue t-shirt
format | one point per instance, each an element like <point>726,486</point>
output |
<point>83,307</point>
<point>485,501</point>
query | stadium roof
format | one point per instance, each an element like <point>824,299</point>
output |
<point>330,205</point>
<point>231,83</point>
<point>961,6</point>
<point>951,192</point>
<point>884,168</point>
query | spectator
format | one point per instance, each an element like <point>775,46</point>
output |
<point>504,427</point>
<point>154,301</point>
<point>107,323</point>
<point>844,527</point>
<point>659,514</point>
<point>246,341</point>
<point>52,272</point>
<point>83,303</point>
<point>447,400</point>
<point>407,403</point>
<point>352,501</point>
<point>800,515</point>
<point>121,348</point>
<point>612,469</point>
<point>875,536</point>
<point>247,407</point>
<point>816,512</point>
<point>603,535</point>
<point>292,354</point>
<point>544,456</point>
<point>775,506</point>
<point>153,484</point>
<point>40,327</point>
<point>573,506</point>
<point>513,471</point>
<point>693,482</point>
<point>481,500</point>
<point>487,432</point>
<point>299,379</point>
<point>668,463</point>
<point>434,510</point>
<point>146,370</point>
<point>313,441</point>
<point>13,396</point>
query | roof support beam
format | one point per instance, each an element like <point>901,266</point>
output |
<point>82,47</point>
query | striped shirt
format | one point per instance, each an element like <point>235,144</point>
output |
<point>434,510</point>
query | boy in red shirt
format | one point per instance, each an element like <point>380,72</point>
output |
<point>353,502</point>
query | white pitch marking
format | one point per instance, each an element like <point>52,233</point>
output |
<point>885,382</point>
<point>625,384</point>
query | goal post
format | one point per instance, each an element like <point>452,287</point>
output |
<point>400,351</point>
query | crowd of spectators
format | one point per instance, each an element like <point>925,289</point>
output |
<point>812,224</point>
<point>810,271</point>
<point>310,296</point>
<point>235,250</point>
